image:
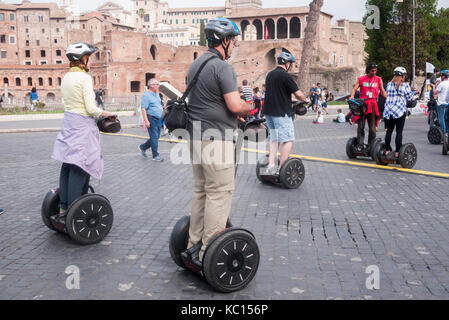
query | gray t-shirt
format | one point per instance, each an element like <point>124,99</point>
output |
<point>206,101</point>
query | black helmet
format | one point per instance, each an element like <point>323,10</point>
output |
<point>76,51</point>
<point>412,104</point>
<point>218,29</point>
<point>109,124</point>
<point>285,57</point>
<point>300,108</point>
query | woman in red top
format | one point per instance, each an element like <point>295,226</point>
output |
<point>370,85</point>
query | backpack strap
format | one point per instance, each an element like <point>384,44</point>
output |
<point>195,78</point>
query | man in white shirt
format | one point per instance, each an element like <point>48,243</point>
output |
<point>442,94</point>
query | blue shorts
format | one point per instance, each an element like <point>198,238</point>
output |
<point>281,129</point>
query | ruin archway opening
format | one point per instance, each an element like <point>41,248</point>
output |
<point>135,86</point>
<point>243,25</point>
<point>295,28</point>
<point>269,26</point>
<point>153,51</point>
<point>259,29</point>
<point>270,59</point>
<point>282,28</point>
<point>51,97</point>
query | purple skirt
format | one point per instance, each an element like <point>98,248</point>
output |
<point>78,143</point>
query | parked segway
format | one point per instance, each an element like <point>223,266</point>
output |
<point>353,148</point>
<point>435,134</point>
<point>231,258</point>
<point>89,218</point>
<point>292,172</point>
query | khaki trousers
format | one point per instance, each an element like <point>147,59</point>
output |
<point>213,165</point>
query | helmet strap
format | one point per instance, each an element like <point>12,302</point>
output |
<point>226,57</point>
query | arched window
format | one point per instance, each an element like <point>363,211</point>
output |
<point>282,27</point>
<point>295,28</point>
<point>153,52</point>
<point>41,81</point>
<point>243,26</point>
<point>18,82</point>
<point>5,81</point>
<point>50,81</point>
<point>269,26</point>
<point>30,81</point>
<point>259,30</point>
<point>195,55</point>
<point>59,81</point>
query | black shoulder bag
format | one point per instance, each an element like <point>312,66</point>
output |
<point>176,116</point>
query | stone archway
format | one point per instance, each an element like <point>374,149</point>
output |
<point>270,59</point>
<point>51,97</point>
<point>259,29</point>
<point>153,51</point>
<point>295,28</point>
<point>243,25</point>
<point>269,27</point>
<point>282,28</point>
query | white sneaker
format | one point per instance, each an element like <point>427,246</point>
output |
<point>271,170</point>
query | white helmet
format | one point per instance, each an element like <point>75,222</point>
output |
<point>400,71</point>
<point>76,51</point>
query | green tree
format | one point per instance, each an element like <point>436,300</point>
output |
<point>440,39</point>
<point>202,34</point>
<point>391,44</point>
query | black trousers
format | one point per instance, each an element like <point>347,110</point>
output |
<point>73,182</point>
<point>390,124</point>
<point>371,118</point>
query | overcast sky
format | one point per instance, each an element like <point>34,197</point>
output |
<point>350,9</point>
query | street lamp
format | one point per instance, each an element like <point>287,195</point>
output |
<point>414,40</point>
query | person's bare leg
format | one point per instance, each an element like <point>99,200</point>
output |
<point>274,146</point>
<point>286,149</point>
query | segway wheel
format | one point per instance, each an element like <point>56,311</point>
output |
<point>178,240</point>
<point>379,150</point>
<point>408,156</point>
<point>445,146</point>
<point>262,163</point>
<point>373,147</point>
<point>89,219</point>
<point>231,260</point>
<point>50,207</point>
<point>435,135</point>
<point>292,173</point>
<point>349,146</point>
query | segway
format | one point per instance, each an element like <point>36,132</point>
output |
<point>230,260</point>
<point>88,220</point>
<point>435,134</point>
<point>445,146</point>
<point>407,158</point>
<point>291,174</point>
<point>354,149</point>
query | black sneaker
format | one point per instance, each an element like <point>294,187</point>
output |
<point>191,255</point>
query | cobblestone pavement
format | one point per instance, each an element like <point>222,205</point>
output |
<point>315,242</point>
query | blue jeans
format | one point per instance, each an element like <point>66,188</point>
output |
<point>442,111</point>
<point>73,182</point>
<point>155,132</point>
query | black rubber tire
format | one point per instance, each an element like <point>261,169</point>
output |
<point>259,176</point>
<point>231,260</point>
<point>378,151</point>
<point>292,173</point>
<point>50,207</point>
<point>373,147</point>
<point>408,155</point>
<point>178,240</point>
<point>349,145</point>
<point>89,219</point>
<point>435,135</point>
<point>445,146</point>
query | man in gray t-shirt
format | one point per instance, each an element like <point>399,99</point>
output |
<point>214,108</point>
